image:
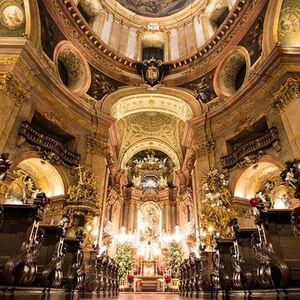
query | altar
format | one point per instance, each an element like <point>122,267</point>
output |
<point>149,283</point>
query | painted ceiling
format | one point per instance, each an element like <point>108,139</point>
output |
<point>155,8</point>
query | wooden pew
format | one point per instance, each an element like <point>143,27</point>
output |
<point>223,269</point>
<point>244,260</point>
<point>92,280</point>
<point>205,271</point>
<point>73,274</point>
<point>20,242</point>
<point>277,248</point>
<point>51,257</point>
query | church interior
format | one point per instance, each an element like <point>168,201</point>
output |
<point>149,149</point>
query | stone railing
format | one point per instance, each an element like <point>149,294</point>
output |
<point>50,145</point>
<point>260,143</point>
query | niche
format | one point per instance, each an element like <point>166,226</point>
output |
<point>232,73</point>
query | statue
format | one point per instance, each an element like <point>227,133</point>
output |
<point>202,91</point>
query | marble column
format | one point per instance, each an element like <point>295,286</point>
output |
<point>130,215</point>
<point>168,221</point>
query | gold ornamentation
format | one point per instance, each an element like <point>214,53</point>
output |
<point>216,208</point>
<point>55,118</point>
<point>8,60</point>
<point>199,151</point>
<point>4,186</point>
<point>49,148</point>
<point>12,86</point>
<point>100,148</point>
<point>250,160</point>
<point>288,92</point>
<point>85,190</point>
<point>269,139</point>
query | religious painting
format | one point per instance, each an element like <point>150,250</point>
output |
<point>155,8</point>
<point>289,23</point>
<point>12,18</point>
<point>50,32</point>
<point>252,41</point>
<point>282,198</point>
<point>149,223</point>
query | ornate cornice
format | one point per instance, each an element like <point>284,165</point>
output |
<point>287,93</point>
<point>100,148</point>
<point>13,87</point>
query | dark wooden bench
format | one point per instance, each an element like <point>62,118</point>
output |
<point>277,248</point>
<point>19,242</point>
<point>244,259</point>
<point>51,257</point>
<point>73,275</point>
<point>223,269</point>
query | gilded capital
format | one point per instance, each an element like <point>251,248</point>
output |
<point>12,86</point>
<point>200,150</point>
<point>287,93</point>
<point>100,148</point>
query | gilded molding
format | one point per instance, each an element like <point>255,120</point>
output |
<point>287,93</point>
<point>12,86</point>
<point>8,60</point>
<point>100,148</point>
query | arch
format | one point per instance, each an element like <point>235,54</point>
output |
<point>51,179</point>
<point>150,144</point>
<point>33,22</point>
<point>175,101</point>
<point>248,180</point>
<point>270,32</point>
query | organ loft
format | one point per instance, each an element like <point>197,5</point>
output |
<point>149,149</point>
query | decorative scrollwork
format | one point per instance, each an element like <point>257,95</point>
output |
<point>242,277</point>
<point>272,271</point>
<point>52,275</point>
<point>295,222</point>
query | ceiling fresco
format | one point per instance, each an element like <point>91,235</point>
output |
<point>155,8</point>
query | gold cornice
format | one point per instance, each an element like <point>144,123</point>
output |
<point>287,93</point>
<point>12,86</point>
<point>100,148</point>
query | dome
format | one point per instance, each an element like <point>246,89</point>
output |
<point>155,8</point>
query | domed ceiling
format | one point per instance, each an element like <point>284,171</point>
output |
<point>155,8</point>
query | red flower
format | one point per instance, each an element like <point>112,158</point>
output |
<point>167,279</point>
<point>229,224</point>
<point>130,278</point>
<point>254,202</point>
<point>47,200</point>
<point>135,272</point>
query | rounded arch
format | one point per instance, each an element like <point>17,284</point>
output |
<point>33,22</point>
<point>270,32</point>
<point>248,180</point>
<point>176,101</point>
<point>150,144</point>
<point>51,179</point>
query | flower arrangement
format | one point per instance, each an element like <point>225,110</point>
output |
<point>130,278</point>
<point>254,202</point>
<point>167,279</point>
